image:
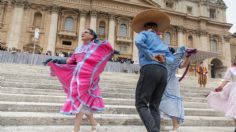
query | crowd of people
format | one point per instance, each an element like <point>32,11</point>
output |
<point>158,89</point>
<point>122,60</point>
<point>3,47</point>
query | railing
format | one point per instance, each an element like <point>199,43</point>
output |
<point>36,59</point>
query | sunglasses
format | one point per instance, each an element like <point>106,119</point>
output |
<point>87,32</point>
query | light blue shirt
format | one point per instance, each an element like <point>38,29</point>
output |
<point>149,45</point>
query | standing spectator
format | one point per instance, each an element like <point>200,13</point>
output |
<point>49,53</point>
<point>202,75</point>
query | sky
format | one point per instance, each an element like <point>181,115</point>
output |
<point>231,14</point>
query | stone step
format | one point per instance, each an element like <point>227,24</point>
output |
<point>125,88</point>
<point>61,99</point>
<point>54,98</point>
<point>62,128</point>
<point>33,97</point>
<point>121,95</point>
<point>109,128</point>
<point>116,80</point>
<point>51,80</point>
<point>110,109</point>
<point>32,118</point>
<point>9,67</point>
<point>124,77</point>
<point>55,86</point>
<point>104,75</point>
<point>38,118</point>
<point>44,91</point>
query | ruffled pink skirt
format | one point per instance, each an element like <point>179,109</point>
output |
<point>80,81</point>
<point>224,101</point>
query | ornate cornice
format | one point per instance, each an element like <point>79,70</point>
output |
<point>112,16</point>
<point>39,7</point>
<point>227,37</point>
<point>19,2</point>
<point>180,29</point>
<point>83,13</point>
<point>214,3</point>
<point>55,8</point>
<point>202,32</point>
<point>103,15</point>
<point>4,2</point>
<point>93,13</point>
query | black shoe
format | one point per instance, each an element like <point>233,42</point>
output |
<point>46,62</point>
<point>235,130</point>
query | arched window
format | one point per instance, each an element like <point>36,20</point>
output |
<point>101,30</point>
<point>190,41</point>
<point>37,19</point>
<point>214,45</point>
<point>167,38</point>
<point>69,24</point>
<point>123,30</point>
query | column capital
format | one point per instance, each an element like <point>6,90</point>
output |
<point>112,16</point>
<point>227,38</point>
<point>83,13</point>
<point>54,8</point>
<point>93,13</point>
<point>202,32</point>
<point>180,29</point>
<point>5,2</point>
<point>101,15</point>
<point>21,3</point>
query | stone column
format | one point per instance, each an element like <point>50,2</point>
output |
<point>224,15</point>
<point>14,34</point>
<point>135,50</point>
<point>203,41</point>
<point>93,20</point>
<point>52,37</point>
<point>180,36</point>
<point>82,23</point>
<point>227,51</point>
<point>111,33</point>
<point>204,46</point>
<point>203,10</point>
<point>2,6</point>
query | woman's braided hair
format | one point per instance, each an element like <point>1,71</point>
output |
<point>93,33</point>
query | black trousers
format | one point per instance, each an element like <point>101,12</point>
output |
<point>149,91</point>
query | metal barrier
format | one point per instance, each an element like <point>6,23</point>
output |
<point>37,59</point>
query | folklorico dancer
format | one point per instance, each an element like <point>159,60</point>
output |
<point>172,103</point>
<point>79,76</point>
<point>223,98</point>
<point>153,73</point>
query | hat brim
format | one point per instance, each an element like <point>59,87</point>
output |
<point>151,15</point>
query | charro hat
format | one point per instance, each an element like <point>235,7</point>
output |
<point>151,15</point>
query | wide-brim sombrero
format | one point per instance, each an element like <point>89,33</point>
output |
<point>151,15</point>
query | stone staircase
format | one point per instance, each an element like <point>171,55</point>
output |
<point>30,101</point>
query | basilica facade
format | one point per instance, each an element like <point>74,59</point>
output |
<point>197,24</point>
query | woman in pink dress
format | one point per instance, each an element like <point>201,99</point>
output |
<point>223,98</point>
<point>80,77</point>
